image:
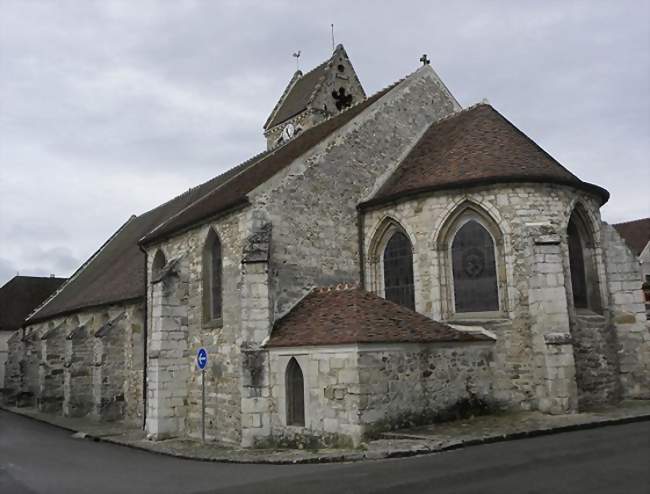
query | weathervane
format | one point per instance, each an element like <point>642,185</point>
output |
<point>297,56</point>
<point>425,60</point>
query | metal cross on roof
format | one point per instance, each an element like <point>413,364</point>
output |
<point>425,60</point>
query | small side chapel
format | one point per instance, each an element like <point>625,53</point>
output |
<point>387,259</point>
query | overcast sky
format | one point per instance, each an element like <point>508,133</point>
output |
<point>109,108</point>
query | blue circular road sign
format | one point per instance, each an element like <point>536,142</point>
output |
<point>201,358</point>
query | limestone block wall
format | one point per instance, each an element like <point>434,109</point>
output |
<point>51,369</point>
<point>400,385</point>
<point>331,396</point>
<point>13,366</point>
<point>4,354</point>
<point>312,204</point>
<point>31,363</point>
<point>78,369</point>
<point>627,312</point>
<point>518,210</point>
<point>185,331</point>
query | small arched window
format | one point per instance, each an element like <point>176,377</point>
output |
<point>212,278</point>
<point>474,269</point>
<point>295,388</point>
<point>398,271</point>
<point>159,262</point>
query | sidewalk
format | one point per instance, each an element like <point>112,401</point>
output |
<point>419,440</point>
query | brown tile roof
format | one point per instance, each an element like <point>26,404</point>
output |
<point>352,315</point>
<point>476,146</point>
<point>116,272</point>
<point>635,233</point>
<point>21,295</point>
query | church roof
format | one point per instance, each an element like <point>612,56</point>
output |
<point>476,146</point>
<point>344,315</point>
<point>635,233</point>
<point>21,295</point>
<point>116,272</point>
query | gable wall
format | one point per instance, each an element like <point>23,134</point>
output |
<point>312,204</point>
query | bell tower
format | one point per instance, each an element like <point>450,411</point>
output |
<point>310,98</point>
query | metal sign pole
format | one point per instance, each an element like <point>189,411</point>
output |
<point>203,405</point>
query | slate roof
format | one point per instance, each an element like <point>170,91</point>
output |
<point>476,146</point>
<point>635,233</point>
<point>337,316</point>
<point>21,295</point>
<point>298,96</point>
<point>116,272</point>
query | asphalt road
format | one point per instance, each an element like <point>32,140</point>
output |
<point>38,458</point>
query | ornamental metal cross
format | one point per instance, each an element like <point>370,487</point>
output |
<point>425,60</point>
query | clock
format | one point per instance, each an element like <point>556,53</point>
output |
<point>288,132</point>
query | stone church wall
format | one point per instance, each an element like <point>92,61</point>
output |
<point>312,204</point>
<point>520,210</point>
<point>402,385</point>
<point>627,312</point>
<point>354,391</point>
<point>62,369</point>
<point>175,340</point>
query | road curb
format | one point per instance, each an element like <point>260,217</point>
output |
<point>360,456</point>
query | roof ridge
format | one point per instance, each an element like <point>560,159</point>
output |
<point>630,221</point>
<point>339,287</point>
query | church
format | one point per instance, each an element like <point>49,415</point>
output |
<point>388,259</point>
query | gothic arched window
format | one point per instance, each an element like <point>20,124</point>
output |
<point>158,263</point>
<point>474,269</point>
<point>584,278</point>
<point>295,393</point>
<point>212,279</point>
<point>398,271</point>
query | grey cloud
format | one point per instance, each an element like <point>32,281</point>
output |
<point>112,107</point>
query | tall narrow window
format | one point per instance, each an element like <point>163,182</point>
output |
<point>295,388</point>
<point>398,271</point>
<point>582,263</point>
<point>212,278</point>
<point>474,269</point>
<point>577,267</point>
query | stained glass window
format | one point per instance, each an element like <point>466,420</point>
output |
<point>474,269</point>
<point>398,271</point>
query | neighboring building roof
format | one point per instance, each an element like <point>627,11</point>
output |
<point>352,315</point>
<point>476,146</point>
<point>21,295</point>
<point>116,272</point>
<point>635,233</point>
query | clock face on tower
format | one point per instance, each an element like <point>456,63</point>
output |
<point>288,132</point>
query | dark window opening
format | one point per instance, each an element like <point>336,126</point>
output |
<point>398,271</point>
<point>341,68</point>
<point>342,99</point>
<point>295,387</point>
<point>474,269</point>
<point>212,278</point>
<point>577,267</point>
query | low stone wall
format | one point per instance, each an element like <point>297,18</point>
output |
<point>353,391</point>
<point>596,361</point>
<point>403,385</point>
<point>627,313</point>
